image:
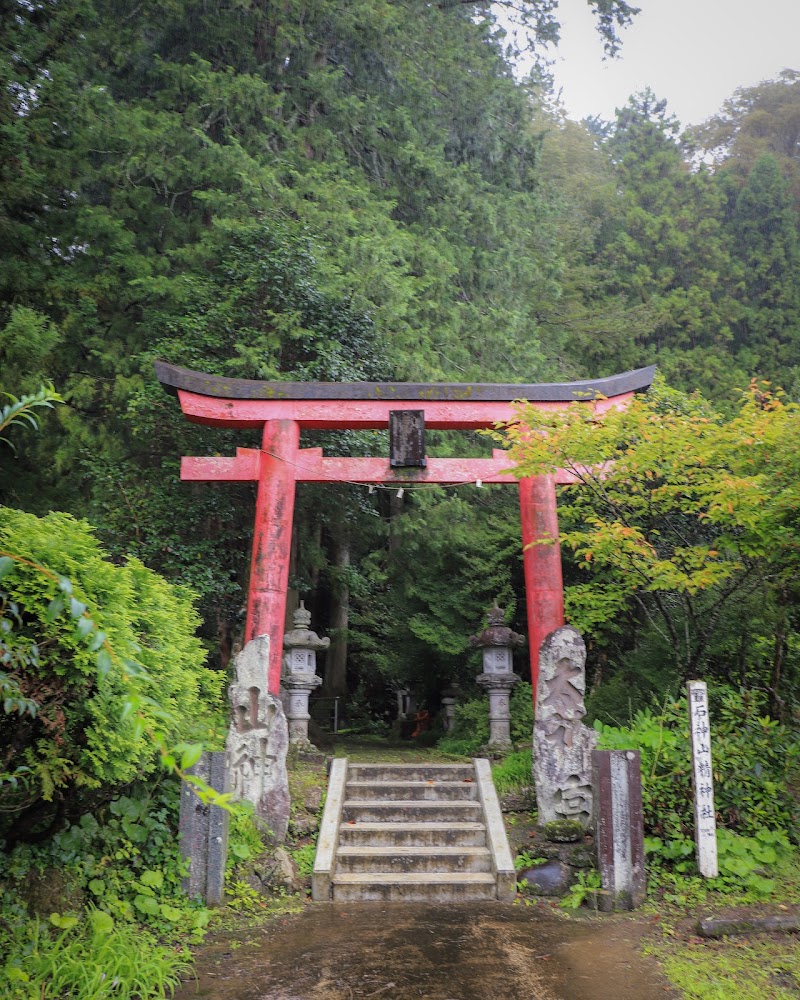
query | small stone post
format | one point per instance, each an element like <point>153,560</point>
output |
<point>705,824</point>
<point>619,829</point>
<point>498,675</point>
<point>300,677</point>
<point>405,704</point>
<point>204,831</point>
<point>562,745</point>
<point>449,707</point>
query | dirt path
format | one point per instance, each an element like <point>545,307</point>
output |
<point>407,951</point>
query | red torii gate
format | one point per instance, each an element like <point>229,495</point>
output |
<point>283,409</point>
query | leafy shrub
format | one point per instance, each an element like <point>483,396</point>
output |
<point>471,723</point>
<point>244,837</point>
<point>743,861</point>
<point>75,744</point>
<point>753,758</point>
<point>125,860</point>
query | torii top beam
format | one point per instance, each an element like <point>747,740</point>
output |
<point>218,401</point>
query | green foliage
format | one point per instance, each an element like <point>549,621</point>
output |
<point>763,224</point>
<point>88,732</point>
<point>20,411</point>
<point>680,518</point>
<point>430,571</point>
<point>584,889</point>
<point>124,859</point>
<point>744,862</point>
<point>768,967</point>
<point>87,959</point>
<point>244,839</point>
<point>526,860</point>
<point>754,758</point>
<point>304,859</point>
<point>471,726</point>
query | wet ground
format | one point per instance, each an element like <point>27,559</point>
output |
<point>405,951</point>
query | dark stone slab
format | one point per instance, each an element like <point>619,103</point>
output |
<point>407,439</point>
<point>218,821</point>
<point>717,927</point>
<point>173,377</point>
<point>204,831</point>
<point>619,829</point>
<point>553,878</point>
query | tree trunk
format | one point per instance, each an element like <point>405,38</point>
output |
<point>777,705</point>
<point>335,682</point>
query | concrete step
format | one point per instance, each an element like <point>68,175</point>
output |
<point>411,772</point>
<point>419,834</point>
<point>409,810</point>
<point>413,833</point>
<point>434,791</point>
<point>413,859</point>
<point>414,887</point>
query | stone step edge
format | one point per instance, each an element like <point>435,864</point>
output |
<point>410,783</point>
<point>399,826</point>
<point>412,803</point>
<point>414,878</point>
<point>412,767</point>
<point>377,851</point>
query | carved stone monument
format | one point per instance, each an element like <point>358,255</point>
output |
<point>562,744</point>
<point>258,740</point>
<point>299,679</point>
<point>498,675</point>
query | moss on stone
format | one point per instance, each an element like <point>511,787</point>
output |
<point>563,831</point>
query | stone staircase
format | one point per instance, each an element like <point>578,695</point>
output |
<point>413,833</point>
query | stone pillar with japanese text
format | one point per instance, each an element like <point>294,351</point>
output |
<point>703,780</point>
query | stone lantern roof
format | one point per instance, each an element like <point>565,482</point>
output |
<point>301,636</point>
<point>498,633</point>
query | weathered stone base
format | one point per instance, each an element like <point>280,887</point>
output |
<point>561,863</point>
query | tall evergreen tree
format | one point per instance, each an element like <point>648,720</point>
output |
<point>764,226</point>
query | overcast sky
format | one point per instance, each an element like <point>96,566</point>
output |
<point>694,53</point>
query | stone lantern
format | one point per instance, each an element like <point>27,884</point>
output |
<point>300,647</point>
<point>498,676</point>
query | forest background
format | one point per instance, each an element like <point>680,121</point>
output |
<point>364,191</point>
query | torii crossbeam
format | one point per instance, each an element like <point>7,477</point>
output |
<point>283,409</point>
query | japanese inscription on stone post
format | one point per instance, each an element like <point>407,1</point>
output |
<point>702,780</point>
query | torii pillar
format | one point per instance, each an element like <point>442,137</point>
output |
<point>282,409</point>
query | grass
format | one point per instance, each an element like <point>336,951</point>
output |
<point>755,967</point>
<point>91,960</point>
<point>762,969</point>
<point>379,750</point>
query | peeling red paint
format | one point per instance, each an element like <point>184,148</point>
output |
<point>544,591</point>
<point>269,568</point>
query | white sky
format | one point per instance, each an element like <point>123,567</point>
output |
<point>694,53</point>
